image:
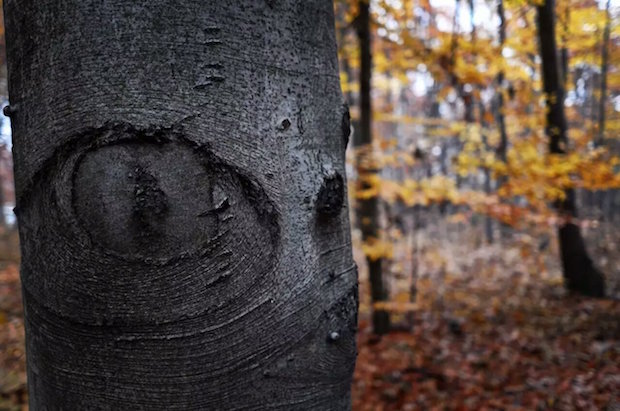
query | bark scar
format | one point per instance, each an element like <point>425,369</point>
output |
<point>112,181</point>
<point>331,195</point>
<point>346,125</point>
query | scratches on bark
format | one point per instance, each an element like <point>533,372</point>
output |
<point>219,208</point>
<point>212,41</point>
<point>332,275</point>
<point>214,73</point>
<point>300,122</point>
<point>191,331</point>
<point>216,66</point>
<point>211,35</point>
<point>208,81</point>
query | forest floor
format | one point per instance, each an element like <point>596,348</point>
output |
<point>491,328</point>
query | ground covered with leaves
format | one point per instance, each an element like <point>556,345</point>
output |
<point>491,328</point>
<point>12,356</point>
<point>521,349</point>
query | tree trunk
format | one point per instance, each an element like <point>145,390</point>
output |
<point>367,215</point>
<point>604,197</point>
<point>181,202</point>
<point>2,218</point>
<point>564,49</point>
<point>502,149</point>
<point>580,275</point>
<point>341,37</point>
<point>501,119</point>
<point>604,63</point>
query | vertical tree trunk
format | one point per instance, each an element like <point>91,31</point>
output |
<point>580,275</point>
<point>502,150</point>
<point>2,201</point>
<point>181,200</point>
<point>604,197</point>
<point>367,215</point>
<point>341,37</point>
<point>487,183</point>
<point>564,49</point>
<point>501,119</point>
<point>604,63</point>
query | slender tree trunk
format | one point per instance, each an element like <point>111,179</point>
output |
<point>604,68</point>
<point>502,150</point>
<point>367,215</point>
<point>487,183</point>
<point>347,69</point>
<point>181,202</point>
<point>344,61</point>
<point>564,49</point>
<point>580,275</point>
<point>501,119</point>
<point>2,200</point>
<point>604,197</point>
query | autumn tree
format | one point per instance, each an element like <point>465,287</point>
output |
<point>501,76</point>
<point>580,275</point>
<point>604,69</point>
<point>180,180</point>
<point>368,212</point>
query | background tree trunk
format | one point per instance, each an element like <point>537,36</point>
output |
<point>580,275</point>
<point>604,68</point>
<point>501,118</point>
<point>368,209</point>
<point>502,149</point>
<point>179,169</point>
<point>606,197</point>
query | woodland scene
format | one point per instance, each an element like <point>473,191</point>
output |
<point>478,192</point>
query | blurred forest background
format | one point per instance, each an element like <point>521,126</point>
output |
<point>484,189</point>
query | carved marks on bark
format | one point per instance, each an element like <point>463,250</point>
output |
<point>213,71</point>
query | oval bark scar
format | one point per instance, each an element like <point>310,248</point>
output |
<point>142,199</point>
<point>154,195</point>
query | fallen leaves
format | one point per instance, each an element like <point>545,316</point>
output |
<point>12,356</point>
<point>492,337</point>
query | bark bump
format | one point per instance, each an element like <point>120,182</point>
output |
<point>331,195</point>
<point>346,125</point>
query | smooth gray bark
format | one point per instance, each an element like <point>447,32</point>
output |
<point>181,196</point>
